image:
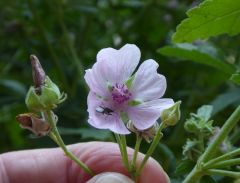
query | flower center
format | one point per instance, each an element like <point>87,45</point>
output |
<point>120,93</point>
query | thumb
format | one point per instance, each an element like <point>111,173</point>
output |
<point>110,177</point>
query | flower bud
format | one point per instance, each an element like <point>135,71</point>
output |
<point>38,74</point>
<point>33,123</point>
<point>49,98</point>
<point>44,95</point>
<point>171,116</point>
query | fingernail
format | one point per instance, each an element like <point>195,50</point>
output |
<point>110,177</point>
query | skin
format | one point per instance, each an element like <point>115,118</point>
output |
<point>51,166</point>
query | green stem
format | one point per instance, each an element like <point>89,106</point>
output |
<point>124,151</point>
<point>151,149</point>
<point>53,137</point>
<point>235,137</point>
<point>223,173</point>
<point>120,147</point>
<point>136,150</point>
<point>226,163</point>
<point>222,158</point>
<point>57,138</point>
<point>225,130</point>
<point>195,174</point>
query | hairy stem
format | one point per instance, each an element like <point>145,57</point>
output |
<point>57,138</point>
<point>226,163</point>
<point>225,130</point>
<point>223,173</point>
<point>120,148</point>
<point>196,173</point>
<point>222,158</point>
<point>151,149</point>
<point>124,151</point>
<point>136,150</point>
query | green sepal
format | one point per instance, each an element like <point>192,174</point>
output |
<point>33,101</point>
<point>128,83</point>
<point>134,102</point>
<point>124,117</point>
<point>109,86</point>
<point>172,115</point>
<point>49,98</point>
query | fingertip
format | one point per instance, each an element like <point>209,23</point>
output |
<point>110,177</point>
<point>154,173</point>
<point>105,157</point>
<point>99,156</point>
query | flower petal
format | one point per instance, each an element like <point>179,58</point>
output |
<point>146,114</point>
<point>96,80</point>
<point>112,121</point>
<point>118,65</point>
<point>148,84</point>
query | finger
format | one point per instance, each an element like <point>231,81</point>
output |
<point>110,177</point>
<point>50,165</point>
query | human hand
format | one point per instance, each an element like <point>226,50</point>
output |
<point>51,166</point>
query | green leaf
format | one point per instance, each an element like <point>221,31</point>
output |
<point>235,78</point>
<point>205,112</point>
<point>210,18</point>
<point>167,158</point>
<point>224,100</point>
<point>13,85</point>
<point>203,54</point>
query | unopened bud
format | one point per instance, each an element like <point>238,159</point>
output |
<point>33,123</point>
<point>44,95</point>
<point>147,134</point>
<point>38,74</point>
<point>49,99</point>
<point>171,116</point>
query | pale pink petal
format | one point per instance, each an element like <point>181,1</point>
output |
<point>148,84</point>
<point>118,65</point>
<point>104,121</point>
<point>146,114</point>
<point>96,81</point>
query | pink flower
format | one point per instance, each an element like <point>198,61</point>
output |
<point>115,92</point>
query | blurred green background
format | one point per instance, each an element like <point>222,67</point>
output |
<point>66,36</point>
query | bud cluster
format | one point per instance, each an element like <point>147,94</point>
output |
<point>43,96</point>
